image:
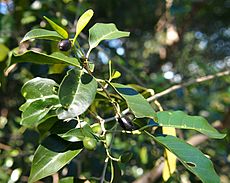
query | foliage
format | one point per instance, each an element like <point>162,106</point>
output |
<point>77,109</point>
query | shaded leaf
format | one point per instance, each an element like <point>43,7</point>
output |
<point>82,22</point>
<point>76,93</point>
<point>42,34</point>
<point>62,32</point>
<point>47,162</point>
<point>192,158</point>
<point>102,31</point>
<point>135,101</point>
<point>179,119</point>
<point>41,58</point>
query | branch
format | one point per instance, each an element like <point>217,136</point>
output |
<point>191,82</point>
<point>176,87</point>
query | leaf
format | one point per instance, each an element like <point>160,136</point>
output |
<point>192,158</point>
<point>82,22</point>
<point>135,101</point>
<point>76,93</point>
<point>41,58</point>
<point>116,75</point>
<point>179,119</point>
<point>170,158</point>
<point>62,32</point>
<point>40,99</point>
<point>47,161</point>
<point>102,31</point>
<point>41,34</point>
<point>3,52</point>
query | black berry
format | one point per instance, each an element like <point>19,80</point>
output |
<point>64,45</point>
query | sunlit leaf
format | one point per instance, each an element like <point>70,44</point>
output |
<point>62,32</point>
<point>116,75</point>
<point>135,101</point>
<point>82,22</point>
<point>51,156</point>
<point>170,158</point>
<point>42,34</point>
<point>40,97</point>
<point>76,93</point>
<point>179,119</point>
<point>102,31</point>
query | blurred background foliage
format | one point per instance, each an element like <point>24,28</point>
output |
<point>171,41</point>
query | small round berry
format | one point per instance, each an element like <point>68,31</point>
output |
<point>64,45</point>
<point>89,143</point>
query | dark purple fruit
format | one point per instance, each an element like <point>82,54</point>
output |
<point>64,45</point>
<point>126,123</point>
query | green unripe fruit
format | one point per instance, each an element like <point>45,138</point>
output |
<point>64,45</point>
<point>89,143</point>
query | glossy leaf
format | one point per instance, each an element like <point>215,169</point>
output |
<point>76,93</point>
<point>40,97</point>
<point>62,32</point>
<point>41,58</point>
<point>82,22</point>
<point>102,31</point>
<point>179,119</point>
<point>192,158</point>
<point>48,161</point>
<point>41,34</point>
<point>135,101</point>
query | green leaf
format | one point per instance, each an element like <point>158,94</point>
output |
<point>48,159</point>
<point>41,34</point>
<point>192,158</point>
<point>41,58</point>
<point>3,52</point>
<point>116,75</point>
<point>40,97</point>
<point>62,32</point>
<point>102,31</point>
<point>135,101</point>
<point>179,119</point>
<point>82,22</point>
<point>76,93</point>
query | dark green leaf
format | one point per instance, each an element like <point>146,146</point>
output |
<point>62,32</point>
<point>76,93</point>
<point>42,34</point>
<point>135,101</point>
<point>47,162</point>
<point>179,119</point>
<point>41,58</point>
<point>192,158</point>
